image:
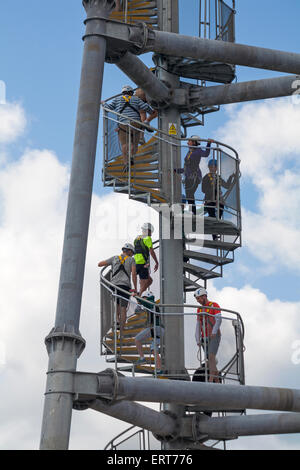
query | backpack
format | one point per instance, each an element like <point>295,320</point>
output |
<point>141,248</point>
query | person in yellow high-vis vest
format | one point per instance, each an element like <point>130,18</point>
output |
<point>208,334</point>
<point>123,269</point>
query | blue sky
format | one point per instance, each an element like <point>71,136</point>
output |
<point>41,51</point>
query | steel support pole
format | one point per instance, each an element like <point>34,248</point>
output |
<point>137,71</point>
<point>207,396</point>
<point>231,427</point>
<point>65,342</point>
<point>248,91</point>
<point>171,250</point>
<point>168,43</point>
<point>138,415</point>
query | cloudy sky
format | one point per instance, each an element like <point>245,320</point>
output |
<point>41,51</point>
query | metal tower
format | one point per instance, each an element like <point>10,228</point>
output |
<point>120,36</point>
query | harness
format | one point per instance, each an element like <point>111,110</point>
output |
<point>121,267</point>
<point>129,105</point>
<point>206,321</point>
<point>141,248</point>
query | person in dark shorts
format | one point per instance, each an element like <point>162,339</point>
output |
<point>155,333</point>
<point>123,269</point>
<point>143,250</point>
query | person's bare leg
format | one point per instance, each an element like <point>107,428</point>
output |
<point>125,154</point>
<point>118,5</point>
<point>158,361</point>
<point>139,348</point>
<point>144,284</point>
<point>213,371</point>
<point>122,324</point>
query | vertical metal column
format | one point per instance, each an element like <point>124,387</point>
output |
<point>171,250</point>
<point>64,343</point>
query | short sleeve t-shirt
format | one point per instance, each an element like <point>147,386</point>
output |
<point>123,276</point>
<point>139,258</point>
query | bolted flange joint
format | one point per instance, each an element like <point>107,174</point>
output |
<point>64,335</point>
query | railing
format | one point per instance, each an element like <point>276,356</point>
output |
<point>231,358</point>
<point>217,20</point>
<point>136,11</point>
<point>224,201</point>
<point>137,438</point>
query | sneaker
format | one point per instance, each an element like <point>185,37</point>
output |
<point>141,360</point>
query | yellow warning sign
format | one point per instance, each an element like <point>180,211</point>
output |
<point>172,129</point>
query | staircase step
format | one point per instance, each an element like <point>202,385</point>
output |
<point>200,272</point>
<point>135,175</point>
<point>214,226</point>
<point>189,283</point>
<point>207,258</point>
<point>214,244</point>
<point>145,370</point>
<point>110,343</point>
<point>137,316</point>
<point>131,332</point>
<point>132,359</point>
<point>142,183</point>
<point>147,158</point>
<point>130,351</point>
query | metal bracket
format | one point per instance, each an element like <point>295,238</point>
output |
<point>115,385</point>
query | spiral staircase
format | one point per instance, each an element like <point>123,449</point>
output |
<point>205,251</point>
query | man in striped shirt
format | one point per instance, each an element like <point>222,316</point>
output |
<point>128,107</point>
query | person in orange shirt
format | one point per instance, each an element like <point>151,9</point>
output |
<point>208,333</point>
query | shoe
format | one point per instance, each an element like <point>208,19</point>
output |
<point>132,161</point>
<point>141,360</point>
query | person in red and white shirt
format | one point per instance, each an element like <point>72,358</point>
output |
<point>208,334</point>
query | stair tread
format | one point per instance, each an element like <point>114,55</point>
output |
<point>200,271</point>
<point>214,244</point>
<point>207,257</point>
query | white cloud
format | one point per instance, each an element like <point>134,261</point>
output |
<point>12,122</point>
<point>29,278</point>
<point>266,136</point>
<point>33,197</point>
<point>33,191</point>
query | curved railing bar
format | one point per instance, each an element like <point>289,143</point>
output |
<point>173,138</point>
<point>113,286</point>
<point>118,436</point>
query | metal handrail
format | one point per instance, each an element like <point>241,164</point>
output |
<point>240,347</point>
<point>175,140</point>
<point>111,444</point>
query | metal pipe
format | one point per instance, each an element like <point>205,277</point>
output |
<point>177,45</point>
<point>208,396</point>
<point>64,342</point>
<point>138,415</point>
<point>253,425</point>
<point>137,71</point>
<point>247,91</point>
